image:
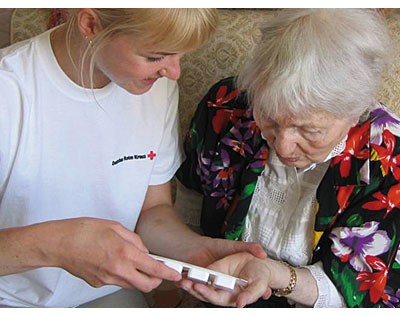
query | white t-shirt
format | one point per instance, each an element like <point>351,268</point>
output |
<point>68,152</point>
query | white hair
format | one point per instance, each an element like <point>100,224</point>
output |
<point>312,60</point>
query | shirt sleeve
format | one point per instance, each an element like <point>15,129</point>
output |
<point>328,295</point>
<point>170,153</point>
<point>11,111</point>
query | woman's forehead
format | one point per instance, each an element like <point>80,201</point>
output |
<point>315,119</point>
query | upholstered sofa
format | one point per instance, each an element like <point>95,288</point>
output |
<point>222,56</point>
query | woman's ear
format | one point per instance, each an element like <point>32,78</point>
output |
<point>88,23</point>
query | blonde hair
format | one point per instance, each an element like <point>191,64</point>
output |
<point>312,60</point>
<point>162,29</point>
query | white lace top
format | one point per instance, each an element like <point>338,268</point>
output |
<point>282,214</point>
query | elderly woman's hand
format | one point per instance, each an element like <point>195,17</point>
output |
<point>205,250</point>
<point>258,272</point>
<point>262,275</point>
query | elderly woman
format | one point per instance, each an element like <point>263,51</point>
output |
<point>297,154</point>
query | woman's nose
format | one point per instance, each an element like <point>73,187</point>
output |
<point>172,69</point>
<point>285,142</point>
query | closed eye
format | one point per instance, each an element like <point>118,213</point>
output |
<point>311,131</point>
<point>155,59</point>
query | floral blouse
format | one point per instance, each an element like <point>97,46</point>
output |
<point>357,226</point>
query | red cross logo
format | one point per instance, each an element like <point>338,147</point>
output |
<point>151,155</point>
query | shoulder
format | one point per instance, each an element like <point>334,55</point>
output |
<point>10,86</point>
<point>224,94</point>
<point>11,54</point>
<point>227,85</point>
<point>229,82</point>
<point>383,122</point>
<point>13,69</point>
<point>11,113</point>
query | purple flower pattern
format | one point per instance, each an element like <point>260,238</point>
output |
<point>353,244</point>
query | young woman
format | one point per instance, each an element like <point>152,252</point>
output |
<point>88,144</point>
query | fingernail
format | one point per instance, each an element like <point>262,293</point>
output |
<point>178,278</point>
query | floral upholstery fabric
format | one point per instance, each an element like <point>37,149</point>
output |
<point>26,23</point>
<point>222,56</point>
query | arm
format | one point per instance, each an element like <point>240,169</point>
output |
<point>98,251</point>
<point>328,295</point>
<point>21,248</point>
<point>262,274</point>
<point>159,226</point>
<point>359,252</point>
<point>165,234</point>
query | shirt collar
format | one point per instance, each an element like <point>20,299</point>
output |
<point>336,151</point>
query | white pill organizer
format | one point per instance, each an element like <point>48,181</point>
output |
<point>203,275</point>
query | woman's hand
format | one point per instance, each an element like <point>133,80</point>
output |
<point>256,271</point>
<point>204,251</point>
<point>262,275</point>
<point>104,252</point>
